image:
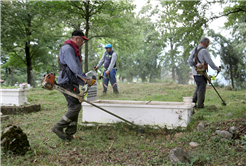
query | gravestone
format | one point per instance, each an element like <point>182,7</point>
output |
<point>92,93</point>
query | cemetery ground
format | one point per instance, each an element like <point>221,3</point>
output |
<point>119,144</point>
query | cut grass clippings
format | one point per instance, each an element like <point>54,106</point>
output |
<point>119,144</point>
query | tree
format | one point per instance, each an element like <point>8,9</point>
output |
<point>99,19</point>
<point>27,32</point>
<point>181,25</point>
<point>233,60</point>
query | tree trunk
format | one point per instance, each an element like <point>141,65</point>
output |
<point>143,77</point>
<point>173,73</point>
<point>173,65</point>
<point>28,64</point>
<point>231,73</point>
<point>28,53</point>
<point>12,77</point>
<point>86,35</point>
<point>151,78</point>
<point>33,80</point>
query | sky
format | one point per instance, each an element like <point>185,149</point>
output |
<point>216,25</point>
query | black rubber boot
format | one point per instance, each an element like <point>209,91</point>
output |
<point>59,133</point>
<point>58,129</point>
<point>104,90</point>
<point>72,129</point>
<point>115,89</point>
<point>200,99</point>
<point>194,98</point>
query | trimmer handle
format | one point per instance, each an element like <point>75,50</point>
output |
<point>95,68</point>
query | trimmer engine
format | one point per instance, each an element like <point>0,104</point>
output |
<point>48,82</point>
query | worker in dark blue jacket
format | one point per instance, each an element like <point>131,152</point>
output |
<point>109,60</point>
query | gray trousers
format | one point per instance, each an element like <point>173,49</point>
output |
<point>199,94</point>
<point>70,119</point>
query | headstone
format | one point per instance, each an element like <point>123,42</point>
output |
<point>200,126</point>
<point>92,92</point>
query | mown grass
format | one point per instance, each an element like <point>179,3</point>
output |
<point>119,144</point>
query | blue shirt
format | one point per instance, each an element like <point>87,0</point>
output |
<point>74,69</point>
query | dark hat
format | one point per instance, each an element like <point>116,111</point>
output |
<point>79,33</point>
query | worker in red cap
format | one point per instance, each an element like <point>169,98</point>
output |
<point>70,77</point>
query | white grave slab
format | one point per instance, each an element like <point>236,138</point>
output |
<point>171,114</point>
<point>92,93</point>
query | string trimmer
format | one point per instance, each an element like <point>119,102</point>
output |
<point>209,80</point>
<point>49,83</point>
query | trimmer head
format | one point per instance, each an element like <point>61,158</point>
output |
<point>224,104</point>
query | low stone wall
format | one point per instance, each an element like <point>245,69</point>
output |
<point>10,110</point>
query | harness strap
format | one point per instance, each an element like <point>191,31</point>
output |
<point>197,59</point>
<point>62,67</point>
<point>196,55</point>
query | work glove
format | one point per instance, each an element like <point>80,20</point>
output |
<point>90,82</point>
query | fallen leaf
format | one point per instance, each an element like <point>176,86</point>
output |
<point>74,149</point>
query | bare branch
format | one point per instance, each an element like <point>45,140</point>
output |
<point>236,11</point>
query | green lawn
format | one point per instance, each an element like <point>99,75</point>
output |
<point>119,144</point>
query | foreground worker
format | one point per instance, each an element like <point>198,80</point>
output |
<point>70,77</point>
<point>109,60</point>
<point>202,58</point>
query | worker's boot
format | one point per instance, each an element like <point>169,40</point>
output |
<point>200,99</point>
<point>71,129</point>
<point>194,98</point>
<point>58,129</point>
<point>104,90</point>
<point>115,89</point>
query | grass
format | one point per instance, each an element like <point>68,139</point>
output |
<point>119,144</point>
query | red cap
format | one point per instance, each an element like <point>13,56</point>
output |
<point>79,33</point>
<point>84,38</point>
